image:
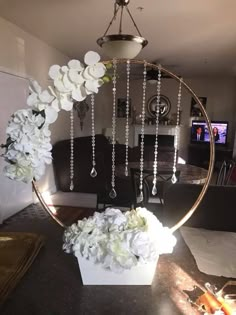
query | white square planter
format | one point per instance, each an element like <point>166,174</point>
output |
<point>94,274</point>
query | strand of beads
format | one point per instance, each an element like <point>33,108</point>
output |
<point>93,172</point>
<point>127,120</point>
<point>142,130</point>
<point>72,149</point>
<point>113,193</point>
<point>154,188</point>
<point>174,178</point>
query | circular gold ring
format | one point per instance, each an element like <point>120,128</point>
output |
<point>212,147</point>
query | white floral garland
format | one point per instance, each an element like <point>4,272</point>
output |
<point>119,240</point>
<point>28,146</point>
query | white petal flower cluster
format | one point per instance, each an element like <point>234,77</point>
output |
<point>75,82</point>
<point>28,146</point>
<point>119,240</point>
<point>40,101</point>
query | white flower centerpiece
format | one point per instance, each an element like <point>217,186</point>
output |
<point>115,247</point>
<point>112,247</point>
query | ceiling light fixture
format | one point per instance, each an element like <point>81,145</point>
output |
<point>122,45</point>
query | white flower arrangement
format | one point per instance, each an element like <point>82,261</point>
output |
<point>28,146</point>
<point>119,240</point>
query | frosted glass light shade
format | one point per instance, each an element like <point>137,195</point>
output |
<point>122,46</point>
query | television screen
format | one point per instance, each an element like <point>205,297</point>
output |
<point>200,132</point>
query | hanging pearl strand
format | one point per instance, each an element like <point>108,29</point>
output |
<point>93,172</point>
<point>174,178</point>
<point>113,193</point>
<point>154,188</point>
<point>72,149</point>
<point>127,120</point>
<point>142,130</point>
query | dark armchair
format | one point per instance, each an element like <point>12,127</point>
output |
<point>163,180</point>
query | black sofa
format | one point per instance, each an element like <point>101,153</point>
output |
<point>101,184</point>
<point>83,182</point>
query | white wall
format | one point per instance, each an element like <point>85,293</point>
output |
<point>12,193</point>
<point>221,100</point>
<point>25,55</point>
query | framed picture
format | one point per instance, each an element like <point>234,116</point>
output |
<point>121,107</point>
<point>195,110</point>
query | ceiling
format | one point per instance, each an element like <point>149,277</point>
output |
<point>192,37</point>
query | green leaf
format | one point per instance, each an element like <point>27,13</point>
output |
<point>106,78</point>
<point>108,65</point>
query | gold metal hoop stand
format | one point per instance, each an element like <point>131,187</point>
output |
<point>212,148</point>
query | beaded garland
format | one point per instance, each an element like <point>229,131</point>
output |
<point>113,193</point>
<point>142,130</point>
<point>93,172</point>
<point>127,120</point>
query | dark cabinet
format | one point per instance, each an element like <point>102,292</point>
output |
<point>199,154</point>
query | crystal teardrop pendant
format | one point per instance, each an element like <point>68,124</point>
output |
<point>141,196</point>
<point>71,185</point>
<point>126,171</point>
<point>112,194</point>
<point>173,179</point>
<point>93,172</point>
<point>154,190</point>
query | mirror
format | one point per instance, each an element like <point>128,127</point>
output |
<point>165,106</point>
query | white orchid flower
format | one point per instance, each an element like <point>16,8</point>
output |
<point>91,58</point>
<point>35,87</point>
<point>61,101</point>
<point>32,99</point>
<point>94,67</point>
<point>75,77</point>
<point>41,100</point>
<point>55,72</point>
<point>59,85</point>
<point>50,115</point>
<point>96,71</point>
<point>62,77</point>
<point>75,65</point>
<point>93,72</point>
<point>79,94</point>
<point>92,86</point>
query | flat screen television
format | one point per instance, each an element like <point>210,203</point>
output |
<point>200,132</point>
